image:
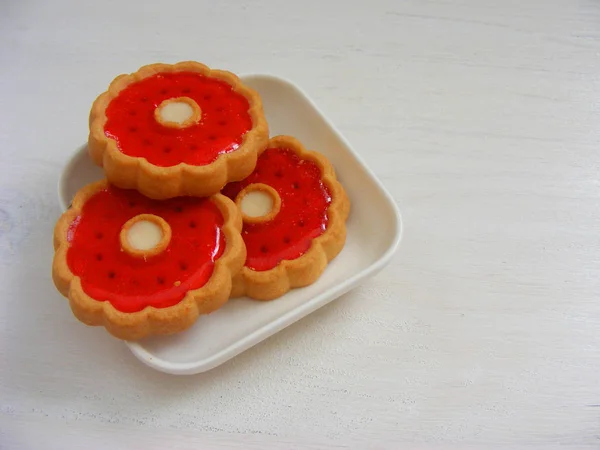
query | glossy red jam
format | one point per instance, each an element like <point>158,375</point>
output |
<point>131,122</point>
<point>303,213</point>
<point>129,283</point>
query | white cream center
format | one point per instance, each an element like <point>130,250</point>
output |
<point>177,112</point>
<point>144,235</point>
<point>256,204</point>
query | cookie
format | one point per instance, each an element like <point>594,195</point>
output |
<point>143,267</point>
<point>175,130</point>
<point>294,212</point>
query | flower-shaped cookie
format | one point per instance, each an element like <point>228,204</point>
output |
<point>174,130</point>
<point>294,212</point>
<point>140,266</point>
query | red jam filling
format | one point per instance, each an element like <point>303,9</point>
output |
<point>131,123</point>
<point>130,284</point>
<point>303,213</point>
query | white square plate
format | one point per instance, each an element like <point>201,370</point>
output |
<point>374,232</point>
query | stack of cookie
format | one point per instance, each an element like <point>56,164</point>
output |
<point>198,205</point>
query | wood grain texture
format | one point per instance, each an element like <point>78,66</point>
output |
<point>481,117</point>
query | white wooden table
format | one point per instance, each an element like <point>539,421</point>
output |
<point>480,116</point>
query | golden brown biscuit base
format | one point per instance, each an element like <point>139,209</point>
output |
<point>305,270</point>
<point>183,179</point>
<point>149,321</point>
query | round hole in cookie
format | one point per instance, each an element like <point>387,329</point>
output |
<point>178,112</point>
<point>145,235</point>
<point>258,202</point>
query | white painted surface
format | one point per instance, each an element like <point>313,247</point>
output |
<point>480,117</point>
